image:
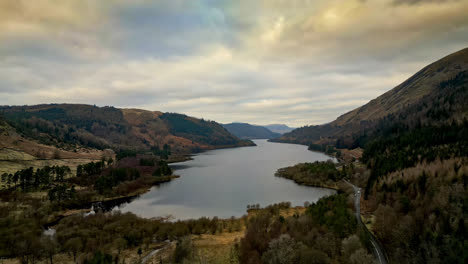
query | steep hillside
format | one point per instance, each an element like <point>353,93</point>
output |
<point>415,140</point>
<point>433,95</point>
<point>69,126</point>
<point>279,128</point>
<point>18,153</point>
<point>248,131</point>
<point>420,212</point>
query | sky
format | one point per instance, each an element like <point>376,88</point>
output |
<point>294,62</point>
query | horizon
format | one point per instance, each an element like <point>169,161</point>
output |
<point>297,63</point>
<point>100,106</point>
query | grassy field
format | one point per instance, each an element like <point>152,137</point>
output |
<point>13,166</point>
<point>216,248</point>
<point>12,154</point>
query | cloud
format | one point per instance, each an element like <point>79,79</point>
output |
<point>213,85</point>
<point>297,62</point>
<point>412,2</point>
<point>339,31</point>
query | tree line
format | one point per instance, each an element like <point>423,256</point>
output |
<point>318,173</point>
<point>401,148</point>
<point>30,179</point>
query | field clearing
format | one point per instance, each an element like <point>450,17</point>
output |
<point>11,166</point>
<point>216,248</point>
<point>13,154</point>
<point>13,160</point>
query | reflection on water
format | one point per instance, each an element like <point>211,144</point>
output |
<point>223,182</point>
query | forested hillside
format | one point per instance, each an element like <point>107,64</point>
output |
<point>325,233</point>
<point>67,126</point>
<point>415,146</point>
<point>421,212</point>
<point>248,131</point>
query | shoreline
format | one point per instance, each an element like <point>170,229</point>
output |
<point>88,207</point>
<point>141,191</point>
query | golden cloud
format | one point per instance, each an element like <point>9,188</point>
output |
<point>24,17</point>
<point>318,28</point>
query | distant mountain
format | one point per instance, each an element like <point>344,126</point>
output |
<point>69,126</point>
<point>435,95</point>
<point>279,128</point>
<point>248,131</point>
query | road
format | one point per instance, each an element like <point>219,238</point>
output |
<point>154,252</point>
<point>378,252</point>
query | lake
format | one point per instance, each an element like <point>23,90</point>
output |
<point>223,182</point>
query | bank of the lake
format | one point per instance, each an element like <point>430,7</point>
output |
<point>223,182</point>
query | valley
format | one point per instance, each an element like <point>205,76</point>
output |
<point>233,132</point>
<point>248,131</point>
<point>221,183</point>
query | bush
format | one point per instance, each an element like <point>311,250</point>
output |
<point>100,258</point>
<point>163,169</point>
<point>183,250</point>
<point>116,175</point>
<point>147,162</point>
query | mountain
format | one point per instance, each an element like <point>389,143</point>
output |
<point>434,95</point>
<point>279,128</point>
<point>248,131</point>
<point>415,151</point>
<point>70,126</point>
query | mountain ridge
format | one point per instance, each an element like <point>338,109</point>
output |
<point>70,125</point>
<point>249,131</point>
<point>279,128</point>
<point>416,91</point>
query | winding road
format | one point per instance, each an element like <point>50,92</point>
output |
<point>378,252</point>
<point>154,252</point>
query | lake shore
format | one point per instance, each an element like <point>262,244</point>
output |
<point>107,203</point>
<point>212,179</point>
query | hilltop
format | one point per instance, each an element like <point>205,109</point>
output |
<point>279,128</point>
<point>76,130</point>
<point>434,95</point>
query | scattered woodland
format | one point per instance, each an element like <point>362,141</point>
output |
<point>37,198</point>
<point>326,233</point>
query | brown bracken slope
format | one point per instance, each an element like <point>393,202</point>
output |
<point>72,128</point>
<point>422,89</point>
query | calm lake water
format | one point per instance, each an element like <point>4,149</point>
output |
<point>223,182</point>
